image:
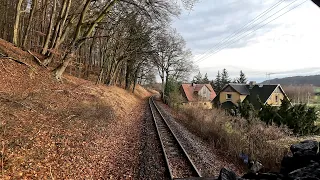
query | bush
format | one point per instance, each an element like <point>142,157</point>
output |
<point>300,118</point>
<point>246,110</point>
<point>172,93</point>
<point>235,135</point>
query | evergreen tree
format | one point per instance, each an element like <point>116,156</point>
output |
<point>197,79</point>
<point>205,80</point>
<point>268,113</point>
<point>217,86</point>
<point>283,111</point>
<point>246,110</point>
<point>212,84</point>
<point>235,80</point>
<point>242,79</point>
<point>224,78</point>
<point>172,92</point>
<point>300,118</point>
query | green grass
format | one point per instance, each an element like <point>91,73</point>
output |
<point>317,107</point>
<point>316,89</point>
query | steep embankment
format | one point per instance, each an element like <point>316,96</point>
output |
<point>69,130</point>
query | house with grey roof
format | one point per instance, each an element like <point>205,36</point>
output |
<point>233,93</point>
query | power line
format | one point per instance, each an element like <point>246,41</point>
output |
<point>245,26</point>
<point>218,49</point>
<point>228,43</point>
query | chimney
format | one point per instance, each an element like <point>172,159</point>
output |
<point>252,84</point>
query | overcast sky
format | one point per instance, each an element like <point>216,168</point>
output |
<point>287,46</point>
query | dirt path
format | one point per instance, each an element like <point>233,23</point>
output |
<point>122,158</point>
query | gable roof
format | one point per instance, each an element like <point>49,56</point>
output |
<point>189,90</point>
<point>198,87</point>
<point>213,93</point>
<point>240,88</point>
<point>263,92</point>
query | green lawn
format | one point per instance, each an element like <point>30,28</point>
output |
<point>316,99</point>
<point>316,89</point>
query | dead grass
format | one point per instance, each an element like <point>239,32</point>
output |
<point>231,136</point>
<point>69,130</point>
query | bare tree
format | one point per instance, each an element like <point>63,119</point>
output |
<point>116,42</point>
<point>172,56</point>
<point>32,11</point>
<point>17,23</point>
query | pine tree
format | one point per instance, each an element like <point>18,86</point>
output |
<point>212,83</point>
<point>205,80</point>
<point>224,78</point>
<point>217,83</point>
<point>246,110</point>
<point>197,79</point>
<point>235,80</point>
<point>242,79</point>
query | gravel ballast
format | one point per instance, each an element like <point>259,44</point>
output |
<point>151,161</point>
<point>202,153</point>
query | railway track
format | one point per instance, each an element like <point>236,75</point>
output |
<point>177,160</point>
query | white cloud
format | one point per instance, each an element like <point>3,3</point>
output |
<point>290,43</point>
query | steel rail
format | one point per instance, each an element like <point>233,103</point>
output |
<point>190,162</point>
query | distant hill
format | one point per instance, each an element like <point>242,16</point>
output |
<point>295,80</point>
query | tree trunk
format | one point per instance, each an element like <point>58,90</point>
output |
<point>100,76</point>
<point>162,85</point>
<point>33,9</point>
<point>17,23</point>
<point>79,41</point>
<point>59,35</point>
<point>135,80</point>
<point>128,71</point>
<point>58,71</point>
<point>49,33</point>
<point>90,56</point>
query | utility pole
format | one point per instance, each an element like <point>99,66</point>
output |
<point>268,77</point>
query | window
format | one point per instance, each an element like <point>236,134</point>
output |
<point>229,96</point>
<point>277,99</point>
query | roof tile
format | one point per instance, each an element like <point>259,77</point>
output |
<point>189,91</point>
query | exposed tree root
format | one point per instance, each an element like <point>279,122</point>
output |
<point>3,56</point>
<point>36,58</point>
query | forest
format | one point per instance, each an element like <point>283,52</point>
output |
<point>114,42</point>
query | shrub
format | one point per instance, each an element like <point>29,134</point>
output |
<point>246,110</point>
<point>172,93</point>
<point>235,135</point>
<point>300,118</point>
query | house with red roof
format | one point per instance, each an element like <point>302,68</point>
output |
<point>198,95</point>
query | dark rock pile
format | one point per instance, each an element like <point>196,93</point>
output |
<point>304,164</point>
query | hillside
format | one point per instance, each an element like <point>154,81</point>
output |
<point>296,80</point>
<point>69,130</point>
